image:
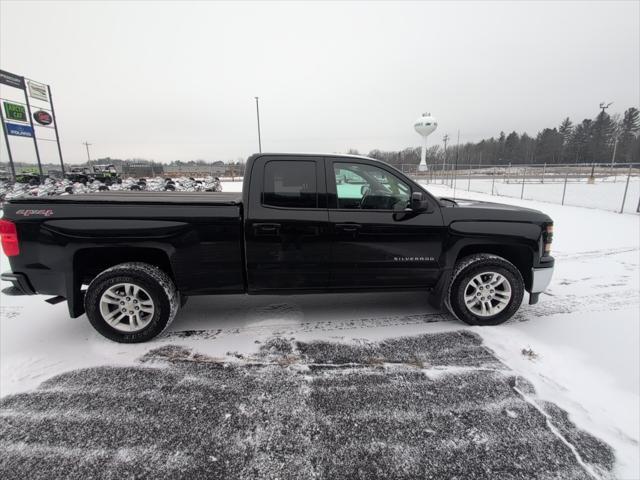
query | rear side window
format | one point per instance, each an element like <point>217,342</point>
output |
<point>290,184</point>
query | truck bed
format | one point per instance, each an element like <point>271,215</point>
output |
<point>140,198</point>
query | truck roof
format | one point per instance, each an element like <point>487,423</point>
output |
<point>188,198</point>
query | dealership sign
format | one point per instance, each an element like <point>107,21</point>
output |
<point>11,79</point>
<point>42,117</point>
<point>19,130</point>
<point>37,90</point>
<point>16,112</point>
<point>20,118</point>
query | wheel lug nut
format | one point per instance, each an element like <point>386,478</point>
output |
<point>131,312</point>
<point>124,309</point>
<point>128,299</point>
<point>121,303</point>
<point>137,308</point>
<point>135,301</point>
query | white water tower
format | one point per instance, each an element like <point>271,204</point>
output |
<point>425,126</point>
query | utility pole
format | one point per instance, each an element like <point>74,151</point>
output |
<point>615,147</point>
<point>258,116</point>
<point>445,139</point>
<point>86,144</point>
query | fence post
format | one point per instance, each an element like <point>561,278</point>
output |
<point>524,174</point>
<point>454,177</point>
<point>624,197</point>
<point>544,169</point>
<point>493,180</point>
<point>469,179</point>
<point>564,190</point>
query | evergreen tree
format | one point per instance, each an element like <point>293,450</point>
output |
<point>601,141</point>
<point>511,144</point>
<point>629,130</point>
<point>549,146</point>
<point>580,141</point>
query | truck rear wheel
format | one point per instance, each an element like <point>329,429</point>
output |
<point>485,289</point>
<point>131,302</point>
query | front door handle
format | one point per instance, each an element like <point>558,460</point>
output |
<point>266,229</point>
<point>348,227</point>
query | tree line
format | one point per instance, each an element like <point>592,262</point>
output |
<point>603,139</point>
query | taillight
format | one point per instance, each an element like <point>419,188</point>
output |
<point>9,236</point>
<point>548,238</point>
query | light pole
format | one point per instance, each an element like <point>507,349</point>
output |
<point>445,139</point>
<point>86,144</point>
<point>258,116</point>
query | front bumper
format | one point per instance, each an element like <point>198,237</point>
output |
<point>20,281</point>
<point>541,278</point>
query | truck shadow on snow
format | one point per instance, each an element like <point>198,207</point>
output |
<point>212,316</point>
<point>430,406</point>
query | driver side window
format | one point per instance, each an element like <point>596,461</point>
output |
<point>366,187</point>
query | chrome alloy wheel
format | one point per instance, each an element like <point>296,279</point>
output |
<point>487,294</point>
<point>126,307</point>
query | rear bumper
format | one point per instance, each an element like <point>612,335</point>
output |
<point>20,281</point>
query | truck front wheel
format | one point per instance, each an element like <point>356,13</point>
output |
<point>131,302</point>
<point>485,289</point>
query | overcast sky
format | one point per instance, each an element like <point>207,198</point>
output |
<point>167,81</point>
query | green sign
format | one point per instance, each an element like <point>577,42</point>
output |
<point>13,111</point>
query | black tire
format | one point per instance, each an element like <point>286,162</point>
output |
<point>469,267</point>
<point>161,291</point>
<point>103,188</point>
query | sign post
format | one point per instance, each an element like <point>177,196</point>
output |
<point>55,127</point>
<point>6,139</point>
<point>35,140</point>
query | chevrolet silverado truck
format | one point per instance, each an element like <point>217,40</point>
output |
<point>130,260</point>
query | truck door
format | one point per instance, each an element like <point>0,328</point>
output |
<point>374,243</point>
<point>287,224</point>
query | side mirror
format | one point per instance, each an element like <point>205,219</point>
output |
<point>418,203</point>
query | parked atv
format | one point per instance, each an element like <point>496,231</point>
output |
<point>106,174</point>
<point>29,176</point>
<point>79,175</point>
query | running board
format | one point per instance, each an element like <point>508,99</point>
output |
<point>55,300</point>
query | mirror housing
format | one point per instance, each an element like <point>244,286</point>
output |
<point>418,203</point>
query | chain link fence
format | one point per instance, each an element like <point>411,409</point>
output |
<point>604,186</point>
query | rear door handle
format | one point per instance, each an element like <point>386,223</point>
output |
<point>266,228</point>
<point>348,227</point>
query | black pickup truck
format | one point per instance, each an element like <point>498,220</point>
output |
<point>303,224</point>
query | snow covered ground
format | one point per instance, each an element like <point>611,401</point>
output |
<point>583,338</point>
<point>605,194</point>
